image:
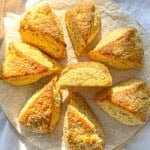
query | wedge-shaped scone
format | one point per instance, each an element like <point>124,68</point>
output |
<point>120,49</point>
<point>83,24</point>
<point>40,27</point>
<point>81,128</point>
<point>127,102</point>
<point>25,64</point>
<point>90,74</point>
<point>42,111</point>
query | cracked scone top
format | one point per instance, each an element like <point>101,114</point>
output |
<point>120,49</point>
<point>83,25</point>
<point>127,102</point>
<point>81,128</point>
<point>40,27</point>
<point>42,111</point>
<point>85,74</point>
<point>25,64</point>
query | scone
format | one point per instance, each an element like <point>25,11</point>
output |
<point>42,111</point>
<point>120,49</point>
<point>83,25</point>
<point>81,128</point>
<point>89,74</point>
<point>127,102</point>
<point>24,64</point>
<point>40,27</point>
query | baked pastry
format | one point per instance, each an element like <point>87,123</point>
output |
<point>120,49</point>
<point>90,74</point>
<point>127,102</point>
<point>83,24</point>
<point>41,28</point>
<point>81,128</point>
<point>24,64</point>
<point>42,111</point>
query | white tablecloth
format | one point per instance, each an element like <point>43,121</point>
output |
<point>9,140</point>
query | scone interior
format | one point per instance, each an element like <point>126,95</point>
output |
<point>120,49</point>
<point>41,27</point>
<point>42,111</point>
<point>25,64</point>
<point>83,25</point>
<point>90,74</point>
<point>127,102</point>
<point>81,128</point>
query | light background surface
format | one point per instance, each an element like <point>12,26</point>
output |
<point>9,140</point>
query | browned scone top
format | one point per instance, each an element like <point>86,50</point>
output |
<point>128,102</point>
<point>83,24</point>
<point>81,128</point>
<point>84,12</point>
<point>85,74</point>
<point>41,28</point>
<point>25,64</point>
<point>42,111</point>
<point>19,64</point>
<point>120,49</point>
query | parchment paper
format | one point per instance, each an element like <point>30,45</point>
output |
<point>13,98</point>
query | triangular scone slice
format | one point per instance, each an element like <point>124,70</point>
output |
<point>120,49</point>
<point>81,128</point>
<point>40,27</point>
<point>89,74</point>
<point>83,24</point>
<point>42,111</point>
<point>24,64</point>
<point>127,102</point>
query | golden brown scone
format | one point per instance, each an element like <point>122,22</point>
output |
<point>89,74</point>
<point>81,128</point>
<point>120,49</point>
<point>83,24</point>
<point>127,102</point>
<point>40,27</point>
<point>42,111</point>
<point>24,64</point>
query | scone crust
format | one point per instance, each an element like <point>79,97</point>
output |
<point>43,20</point>
<point>25,64</point>
<point>82,25</point>
<point>38,114</point>
<point>134,99</point>
<point>81,128</point>
<point>21,65</point>
<point>84,19</point>
<point>43,23</point>
<point>126,51</point>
